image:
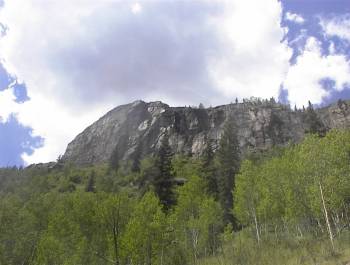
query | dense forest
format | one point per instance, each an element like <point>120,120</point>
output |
<point>287,205</point>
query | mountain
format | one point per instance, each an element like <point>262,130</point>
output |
<point>139,126</point>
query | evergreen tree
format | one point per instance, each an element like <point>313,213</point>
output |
<point>114,159</point>
<point>118,151</point>
<point>229,160</point>
<point>90,187</point>
<point>316,125</point>
<point>164,180</point>
<point>208,168</point>
<point>137,155</point>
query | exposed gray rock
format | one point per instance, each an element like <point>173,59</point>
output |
<point>141,125</point>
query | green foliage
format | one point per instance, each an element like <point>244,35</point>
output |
<point>197,220</point>
<point>91,183</point>
<point>247,192</point>
<point>287,202</point>
<point>136,158</point>
<point>241,248</point>
<point>145,236</point>
<point>208,168</point>
<point>114,214</point>
<point>163,181</point>
<point>315,124</point>
<point>114,159</point>
<point>228,156</point>
<point>286,189</point>
<point>185,167</point>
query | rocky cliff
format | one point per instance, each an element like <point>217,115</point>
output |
<point>140,126</point>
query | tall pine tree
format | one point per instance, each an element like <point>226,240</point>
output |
<point>90,187</point>
<point>208,168</point>
<point>163,181</point>
<point>228,156</point>
<point>316,125</point>
<point>114,160</point>
<point>136,158</point>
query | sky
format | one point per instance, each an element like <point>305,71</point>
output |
<point>63,64</point>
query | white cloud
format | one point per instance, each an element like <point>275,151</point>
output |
<point>49,119</point>
<point>294,17</point>
<point>36,33</point>
<point>80,58</point>
<point>136,8</point>
<point>254,61</point>
<point>304,77</point>
<point>337,26</point>
<point>56,124</point>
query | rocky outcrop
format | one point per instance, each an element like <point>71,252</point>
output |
<point>140,126</point>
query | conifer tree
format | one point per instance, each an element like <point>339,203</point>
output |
<point>90,187</point>
<point>229,160</point>
<point>117,154</point>
<point>137,155</point>
<point>208,168</point>
<point>164,180</point>
<point>114,159</point>
<point>316,125</point>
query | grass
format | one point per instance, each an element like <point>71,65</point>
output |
<point>243,249</point>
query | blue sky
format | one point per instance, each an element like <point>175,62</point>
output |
<point>60,71</point>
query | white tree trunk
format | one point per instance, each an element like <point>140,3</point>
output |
<point>326,216</point>
<point>256,227</point>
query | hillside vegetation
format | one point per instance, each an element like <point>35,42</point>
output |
<point>285,206</point>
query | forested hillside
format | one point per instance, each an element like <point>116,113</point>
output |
<point>284,206</point>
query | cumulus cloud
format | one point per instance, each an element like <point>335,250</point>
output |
<point>255,60</point>
<point>99,51</point>
<point>294,17</point>
<point>338,26</point>
<point>304,78</point>
<point>56,124</point>
<point>80,58</point>
<point>136,8</point>
<point>48,119</point>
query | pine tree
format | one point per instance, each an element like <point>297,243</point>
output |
<point>137,155</point>
<point>90,187</point>
<point>118,151</point>
<point>164,180</point>
<point>208,168</point>
<point>228,156</point>
<point>316,125</point>
<point>114,159</point>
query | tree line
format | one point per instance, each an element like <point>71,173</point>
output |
<point>169,209</point>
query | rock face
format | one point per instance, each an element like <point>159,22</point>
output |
<point>140,126</point>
